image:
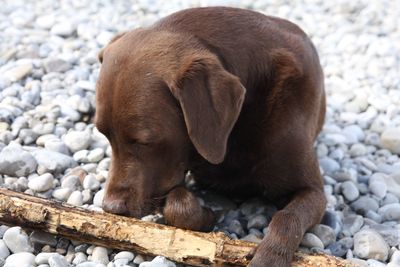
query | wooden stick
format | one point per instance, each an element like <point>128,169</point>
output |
<point>118,232</point>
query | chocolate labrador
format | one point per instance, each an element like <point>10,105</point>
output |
<point>236,97</point>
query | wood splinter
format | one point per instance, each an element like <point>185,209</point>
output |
<point>118,232</point>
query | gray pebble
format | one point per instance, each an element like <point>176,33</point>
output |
<point>350,191</point>
<point>90,182</point>
<point>236,227</point>
<point>258,221</point>
<point>351,224</point>
<point>100,255</point>
<point>62,194</point>
<point>53,161</point>
<point>43,238</point>
<point>80,257</point>
<point>58,261</point>
<point>364,204</point>
<point>17,240</point>
<point>16,162</point>
<point>329,165</point>
<point>390,212</point>
<point>368,244</point>
<point>310,241</point>
<point>325,233</point>
<point>4,252</point>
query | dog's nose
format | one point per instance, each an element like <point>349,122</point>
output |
<point>115,206</point>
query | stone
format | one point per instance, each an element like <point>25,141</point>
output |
<point>368,244</point>
<point>390,139</point>
<point>98,198</point>
<point>352,223</point>
<point>43,238</point>
<point>378,188</point>
<point>56,65</point>
<point>70,181</point>
<point>14,161</point>
<point>19,72</point>
<point>4,252</point>
<point>390,212</point>
<point>258,221</point>
<point>20,259</point>
<point>311,241</point>
<point>57,146</point>
<point>62,194</point>
<point>75,198</point>
<point>41,183</point>
<point>124,255</point>
<point>95,155</point>
<point>100,255</point>
<point>58,261</point>
<point>53,161</point>
<point>43,257</point>
<point>329,165</point>
<point>364,204</point>
<point>80,257</point>
<point>17,240</point>
<point>45,21</point>
<point>325,233</point>
<point>350,191</point>
<point>236,227</point>
<point>340,248</point>
<point>158,261</point>
<point>63,29</point>
<point>77,140</point>
<point>138,259</point>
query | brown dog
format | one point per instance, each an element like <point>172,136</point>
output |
<point>233,95</point>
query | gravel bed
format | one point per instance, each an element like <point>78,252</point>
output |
<point>49,146</point>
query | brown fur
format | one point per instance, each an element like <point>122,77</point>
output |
<point>233,95</point>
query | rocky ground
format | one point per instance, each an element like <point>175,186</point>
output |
<point>49,146</point>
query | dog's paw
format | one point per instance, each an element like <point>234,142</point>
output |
<point>270,256</point>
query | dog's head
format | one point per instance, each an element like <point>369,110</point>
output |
<point>159,93</point>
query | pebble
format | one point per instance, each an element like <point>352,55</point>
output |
<point>100,255</point>
<point>43,258</point>
<point>77,140</point>
<point>62,194</point>
<point>75,198</point>
<point>124,255</point>
<point>98,198</point>
<point>351,224</point>
<point>90,182</point>
<point>364,204</point>
<point>58,261</point>
<point>311,241</point>
<point>20,259</point>
<point>329,165</point>
<point>19,72</point>
<point>258,221</point>
<point>390,212</point>
<point>64,29</point>
<point>325,233</point>
<point>350,191</point>
<point>41,183</point>
<point>43,238</point>
<point>390,139</point>
<point>158,261</point>
<point>368,244</point>
<point>52,161</point>
<point>80,257</point>
<point>4,252</point>
<point>138,259</point>
<point>236,227</point>
<point>14,161</point>
<point>17,240</point>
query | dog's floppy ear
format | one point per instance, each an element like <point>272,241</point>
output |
<point>211,99</point>
<point>115,38</point>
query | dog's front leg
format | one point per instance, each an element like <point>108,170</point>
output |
<point>287,228</point>
<point>182,209</point>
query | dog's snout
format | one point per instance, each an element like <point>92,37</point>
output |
<point>115,206</point>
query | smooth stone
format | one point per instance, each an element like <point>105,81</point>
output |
<point>375,263</point>
<point>58,260</point>
<point>70,181</point>
<point>4,252</point>
<point>329,165</point>
<point>19,72</point>
<point>389,233</point>
<point>358,262</point>
<point>80,257</point>
<point>75,198</point>
<point>325,233</point>
<point>28,136</point>
<point>63,29</point>
<point>20,259</point>
<point>332,220</point>
<point>100,255</point>
<point>310,241</point>
<point>258,221</point>
<point>341,247</point>
<point>368,244</point>
<point>41,183</point>
<point>81,156</point>
<point>358,150</point>
<point>14,161</point>
<point>119,263</point>
<point>77,140</point>
<point>390,212</point>
<point>393,183</point>
<point>17,240</point>
<point>138,259</point>
<point>95,155</point>
<point>252,238</point>
<point>45,21</point>
<point>53,161</point>
<point>364,204</point>
<point>352,223</point>
<point>98,198</point>
<point>43,258</point>
<point>236,227</point>
<point>57,146</point>
<point>62,194</point>
<point>90,182</point>
<point>350,191</point>
<point>87,264</point>
<point>390,139</point>
<point>158,261</point>
<point>56,65</point>
<point>124,255</point>
<point>378,188</point>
